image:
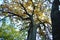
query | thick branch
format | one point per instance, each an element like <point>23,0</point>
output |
<point>23,8</point>
<point>33,7</point>
<point>16,15</point>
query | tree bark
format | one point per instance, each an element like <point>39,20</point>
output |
<point>55,18</point>
<point>32,30</point>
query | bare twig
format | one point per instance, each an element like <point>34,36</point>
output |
<point>3,18</point>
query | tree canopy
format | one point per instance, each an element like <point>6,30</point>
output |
<point>26,16</point>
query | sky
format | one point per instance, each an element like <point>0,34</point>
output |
<point>1,1</point>
<point>7,19</point>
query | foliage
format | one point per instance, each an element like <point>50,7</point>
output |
<point>8,32</point>
<point>35,11</point>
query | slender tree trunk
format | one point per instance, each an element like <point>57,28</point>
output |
<point>32,31</point>
<point>55,17</point>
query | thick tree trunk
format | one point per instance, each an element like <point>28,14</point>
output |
<point>55,17</point>
<point>32,31</point>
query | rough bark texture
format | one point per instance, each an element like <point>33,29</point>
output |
<point>55,17</point>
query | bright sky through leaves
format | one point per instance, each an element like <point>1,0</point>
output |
<point>1,1</point>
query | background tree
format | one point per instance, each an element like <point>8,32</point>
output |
<point>55,20</point>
